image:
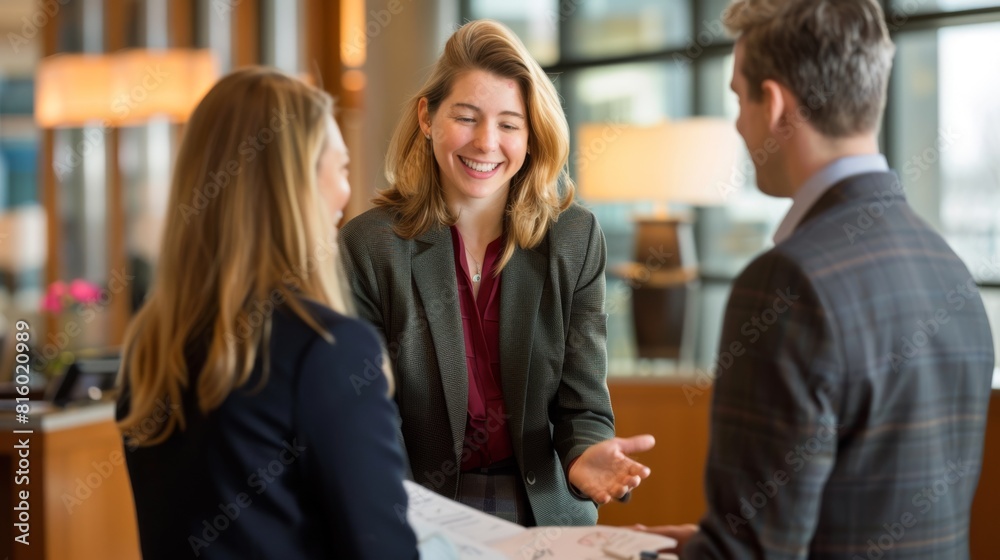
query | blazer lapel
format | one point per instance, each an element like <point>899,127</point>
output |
<point>434,273</point>
<point>521,287</point>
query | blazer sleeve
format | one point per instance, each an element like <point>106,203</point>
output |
<point>363,280</point>
<point>774,417</point>
<point>581,413</point>
<point>360,269</point>
<point>354,463</point>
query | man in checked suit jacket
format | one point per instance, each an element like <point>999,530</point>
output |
<point>850,422</point>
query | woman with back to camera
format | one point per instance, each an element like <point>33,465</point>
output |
<point>487,282</point>
<point>247,434</point>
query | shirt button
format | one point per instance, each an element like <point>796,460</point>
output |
<point>530,477</point>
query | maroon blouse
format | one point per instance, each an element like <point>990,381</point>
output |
<point>487,439</point>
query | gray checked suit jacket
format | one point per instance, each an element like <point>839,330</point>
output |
<point>853,384</point>
<point>553,357</point>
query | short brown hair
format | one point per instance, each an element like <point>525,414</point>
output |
<point>834,55</point>
<point>539,191</point>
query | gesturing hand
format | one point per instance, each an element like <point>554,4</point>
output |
<point>604,471</point>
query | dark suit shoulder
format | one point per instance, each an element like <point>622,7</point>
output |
<point>334,322</point>
<point>574,233</point>
<point>293,337</point>
<point>372,226</point>
<point>575,218</point>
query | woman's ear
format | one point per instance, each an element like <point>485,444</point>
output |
<point>424,117</point>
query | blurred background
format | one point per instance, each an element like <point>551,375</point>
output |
<point>94,95</point>
<point>83,191</point>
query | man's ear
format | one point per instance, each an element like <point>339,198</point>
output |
<point>777,102</point>
<point>774,103</point>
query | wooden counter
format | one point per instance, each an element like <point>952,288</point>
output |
<point>678,418</point>
<point>80,499</point>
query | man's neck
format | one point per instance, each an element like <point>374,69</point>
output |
<point>814,154</point>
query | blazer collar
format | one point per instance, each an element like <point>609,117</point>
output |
<point>433,269</point>
<point>882,186</point>
<point>521,285</point>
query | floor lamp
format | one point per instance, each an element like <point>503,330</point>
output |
<point>687,162</point>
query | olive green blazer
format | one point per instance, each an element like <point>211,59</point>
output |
<point>553,355</point>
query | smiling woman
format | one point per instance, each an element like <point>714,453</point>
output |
<point>487,282</point>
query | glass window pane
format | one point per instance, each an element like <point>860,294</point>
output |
<point>717,99</point>
<point>711,10</point>
<point>945,138</point>
<point>900,10</point>
<point>536,22</point>
<point>642,93</point>
<point>602,28</point>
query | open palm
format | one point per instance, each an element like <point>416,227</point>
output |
<point>605,471</point>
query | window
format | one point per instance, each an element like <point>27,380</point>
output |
<point>638,61</point>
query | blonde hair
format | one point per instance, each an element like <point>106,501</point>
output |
<point>245,233</point>
<point>534,202</point>
<point>834,55</point>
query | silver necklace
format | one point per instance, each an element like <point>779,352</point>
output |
<point>478,275</point>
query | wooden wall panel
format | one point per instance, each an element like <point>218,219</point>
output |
<point>673,492</point>
<point>246,33</point>
<point>986,507</point>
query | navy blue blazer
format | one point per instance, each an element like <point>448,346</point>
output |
<point>303,465</point>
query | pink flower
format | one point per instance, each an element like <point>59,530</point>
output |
<point>83,291</point>
<point>57,289</point>
<point>51,303</point>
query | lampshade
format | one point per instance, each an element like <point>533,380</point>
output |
<point>123,88</point>
<point>689,161</point>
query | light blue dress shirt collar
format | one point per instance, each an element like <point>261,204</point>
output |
<point>821,182</point>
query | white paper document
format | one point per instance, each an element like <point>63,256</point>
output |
<point>476,535</point>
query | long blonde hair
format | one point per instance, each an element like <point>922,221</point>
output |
<point>245,233</point>
<point>540,190</point>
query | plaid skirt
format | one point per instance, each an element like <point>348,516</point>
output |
<point>497,491</point>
